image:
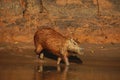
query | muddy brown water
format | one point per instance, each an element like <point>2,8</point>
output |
<point>100,62</point>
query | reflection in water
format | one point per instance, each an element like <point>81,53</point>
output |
<point>51,72</point>
<point>16,72</point>
<point>48,72</point>
<point>106,67</point>
<point>32,72</point>
<point>89,70</point>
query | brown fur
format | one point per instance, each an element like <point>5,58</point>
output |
<point>49,39</point>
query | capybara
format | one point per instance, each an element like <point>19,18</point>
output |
<point>50,40</point>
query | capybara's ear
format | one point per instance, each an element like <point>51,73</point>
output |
<point>71,40</point>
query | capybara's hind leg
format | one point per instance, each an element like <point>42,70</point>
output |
<point>38,51</point>
<point>41,55</point>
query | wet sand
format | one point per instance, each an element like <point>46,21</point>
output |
<point>100,62</point>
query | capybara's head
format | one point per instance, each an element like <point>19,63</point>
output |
<point>74,47</point>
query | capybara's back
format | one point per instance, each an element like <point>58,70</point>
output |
<point>49,39</point>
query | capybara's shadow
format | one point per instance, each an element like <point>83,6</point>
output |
<point>72,59</point>
<point>75,59</point>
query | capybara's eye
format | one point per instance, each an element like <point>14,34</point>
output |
<point>74,43</point>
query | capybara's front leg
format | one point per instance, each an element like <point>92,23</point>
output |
<point>66,60</point>
<point>58,61</point>
<point>65,54</point>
